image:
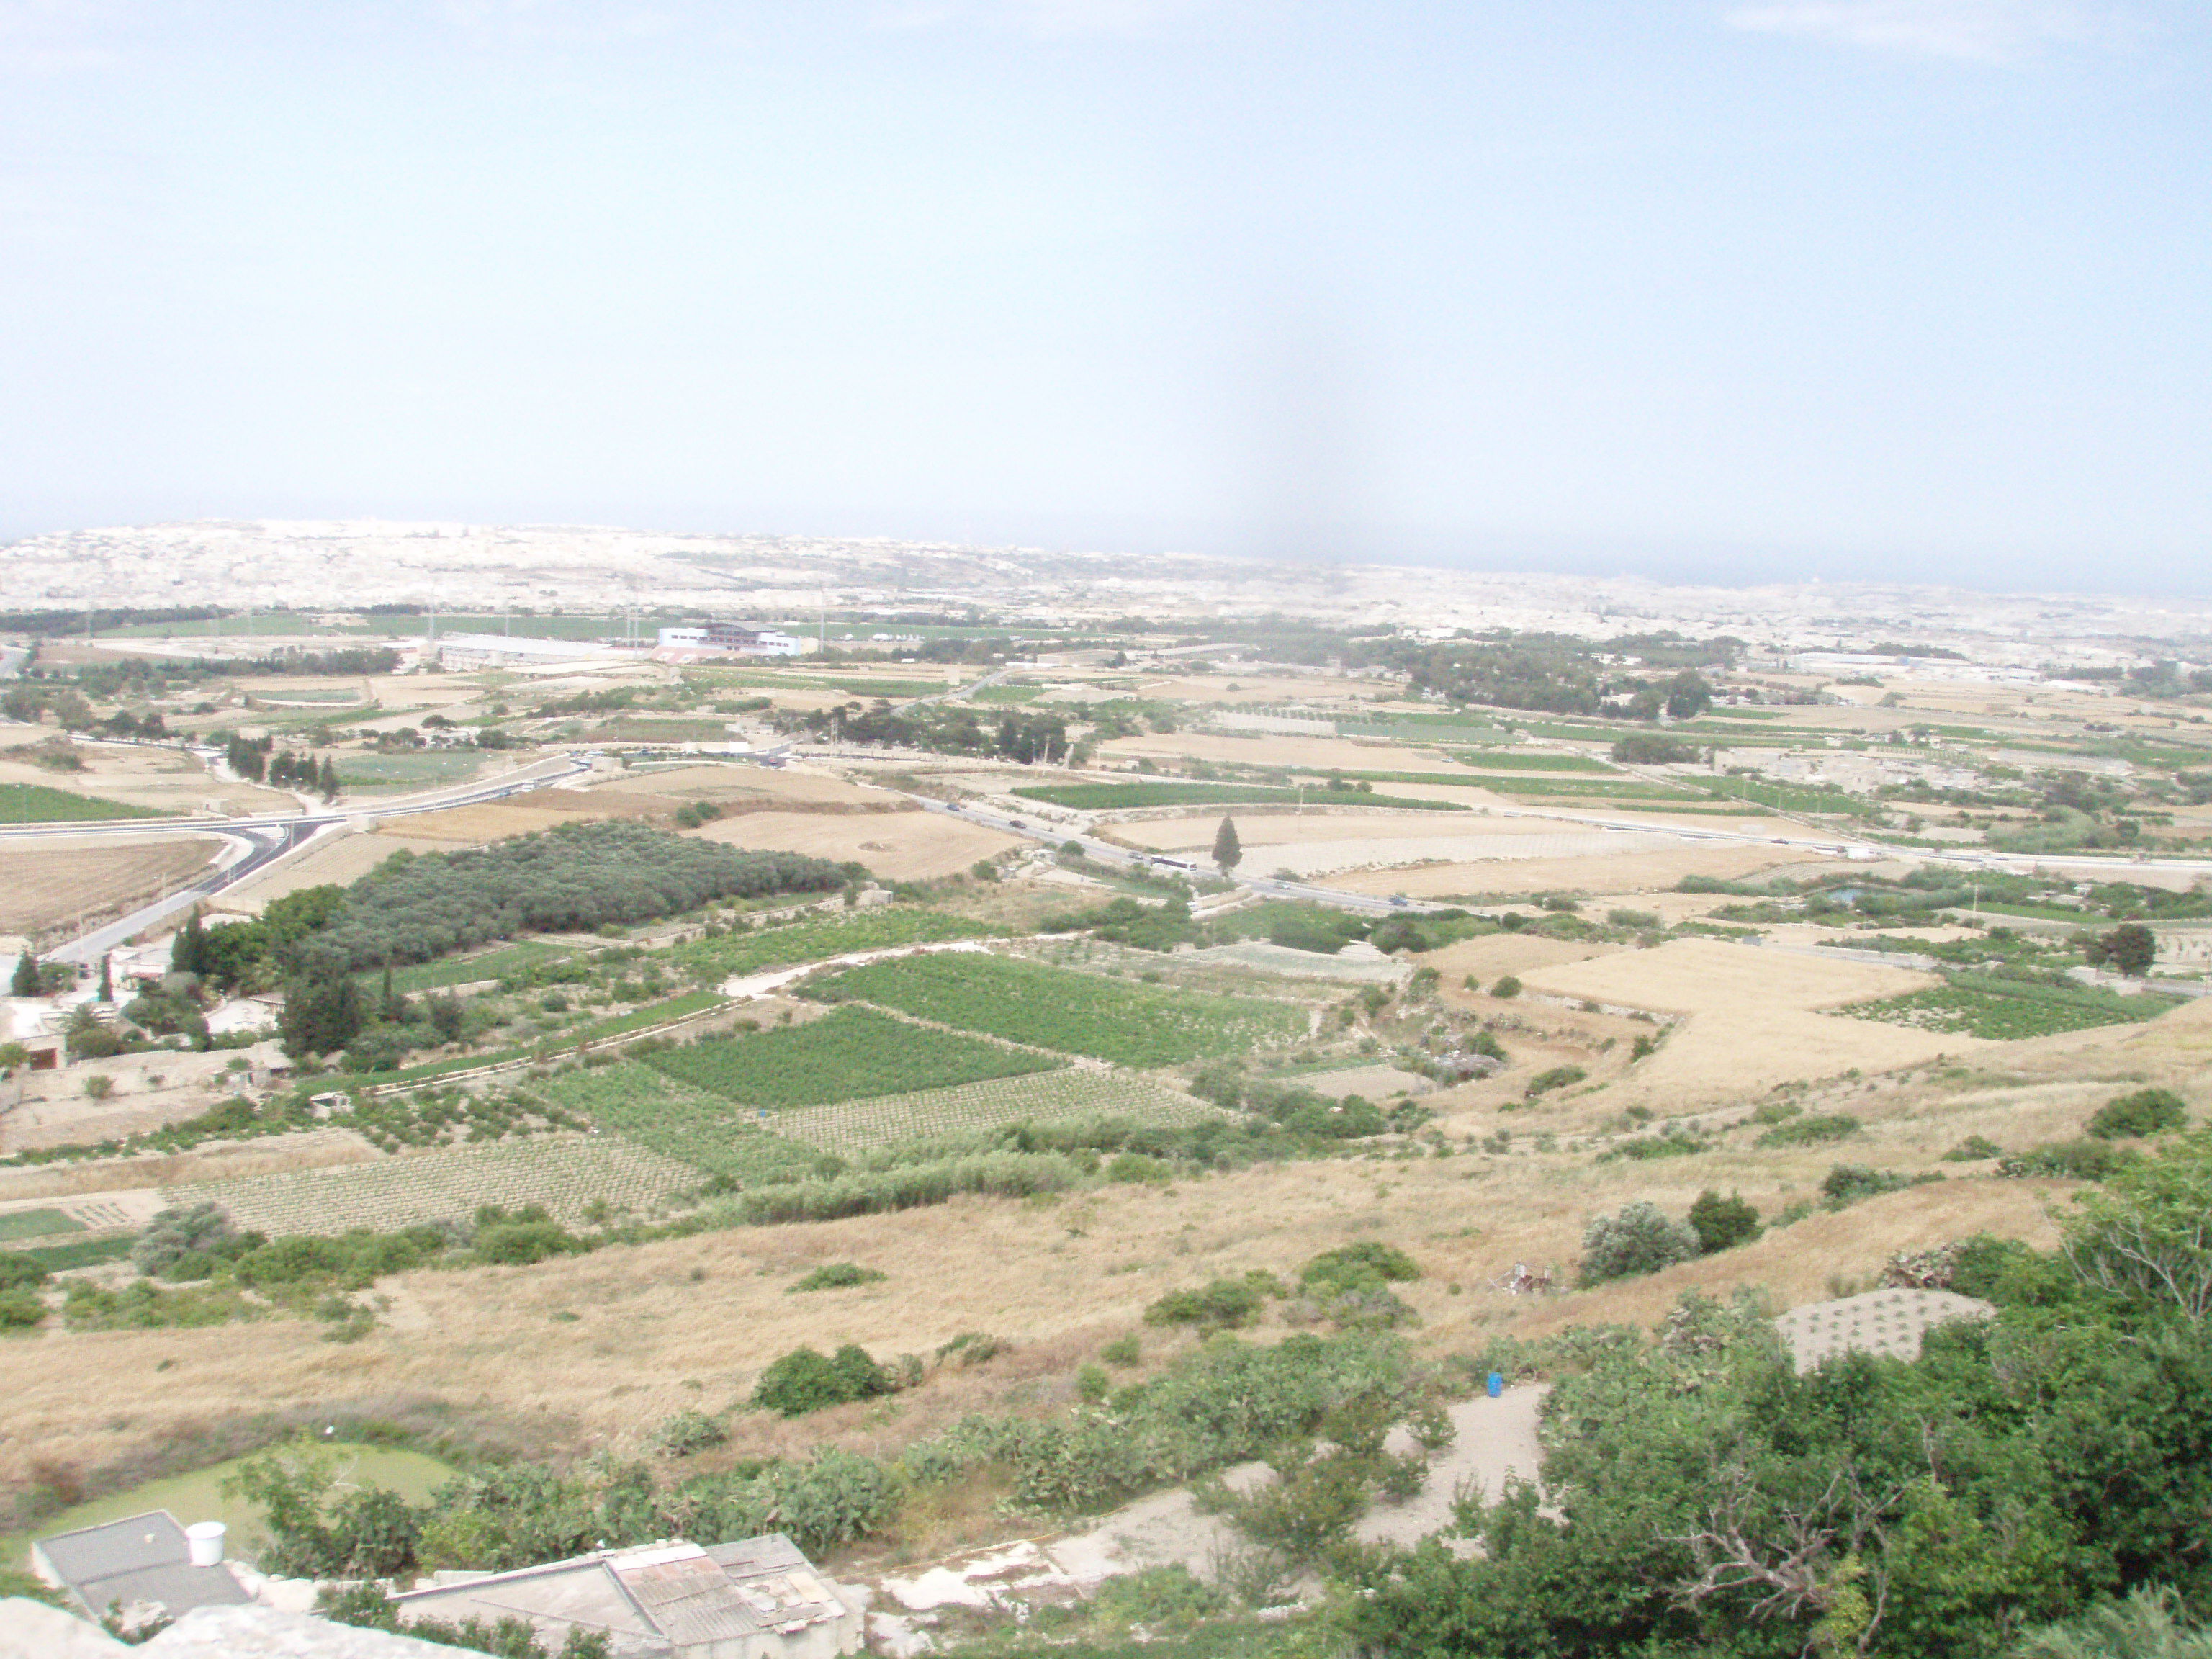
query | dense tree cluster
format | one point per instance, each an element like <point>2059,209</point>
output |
<point>942,728</point>
<point>575,877</point>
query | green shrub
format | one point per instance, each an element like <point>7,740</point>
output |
<point>1558,1077</point>
<point>1158,1598</point>
<point>173,1233</point>
<point>1225,1304</point>
<point>1777,1111</point>
<point>1507,986</point>
<point>1123,1351</point>
<point>1972,1150</point>
<point>688,1431</point>
<point>1365,1266</point>
<point>21,1308</point>
<point>1722,1224</point>
<point>1848,1183</point>
<point>837,1276</point>
<point>805,1380</point>
<point>1811,1130</point>
<point>2069,1160</point>
<point>2145,1112</point>
<point>1637,1240</point>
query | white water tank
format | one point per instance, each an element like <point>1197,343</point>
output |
<point>203,1540</point>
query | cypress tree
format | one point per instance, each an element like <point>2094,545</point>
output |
<point>329,779</point>
<point>107,978</point>
<point>26,982</point>
<point>1228,852</point>
<point>188,953</point>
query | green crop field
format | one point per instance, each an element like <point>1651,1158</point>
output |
<point>1072,1012</point>
<point>2006,1010</point>
<point>819,941</point>
<point>1586,788</point>
<point>1392,725</point>
<point>37,803</point>
<point>1496,761</point>
<point>36,1224</point>
<point>1110,797</point>
<point>663,1115</point>
<point>367,771</point>
<point>855,1126</point>
<point>635,729</point>
<point>849,1053</point>
<point>565,1173</point>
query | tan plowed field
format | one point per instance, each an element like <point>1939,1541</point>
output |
<point>49,882</point>
<point>911,846</point>
<point>1754,1019</point>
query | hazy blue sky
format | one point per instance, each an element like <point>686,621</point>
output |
<point>1740,288</point>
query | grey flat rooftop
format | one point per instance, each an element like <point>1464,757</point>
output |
<point>142,1559</point>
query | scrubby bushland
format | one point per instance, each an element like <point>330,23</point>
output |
<point>576,876</point>
<point>1700,1496</point>
<point>1224,1403</point>
<point>1638,1239</point>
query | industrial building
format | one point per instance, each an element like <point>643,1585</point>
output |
<point>734,639</point>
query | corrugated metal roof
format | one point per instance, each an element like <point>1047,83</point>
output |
<point>688,1597</point>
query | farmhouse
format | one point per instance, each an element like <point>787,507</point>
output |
<point>757,1598</point>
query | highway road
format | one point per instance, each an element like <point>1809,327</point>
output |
<point>2108,869</point>
<point>259,842</point>
<point>263,840</point>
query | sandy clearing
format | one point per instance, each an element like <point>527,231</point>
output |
<point>1274,749</point>
<point>540,809</point>
<point>1495,954</point>
<point>1618,873</point>
<point>342,859</point>
<point>1703,975</point>
<point>908,846</point>
<point>1285,827</point>
<point>58,881</point>
<point>1753,1020</point>
<point>729,784</point>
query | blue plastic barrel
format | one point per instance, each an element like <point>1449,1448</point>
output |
<point>1497,1384</point>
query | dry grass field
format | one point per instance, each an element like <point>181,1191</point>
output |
<point>730,786</point>
<point>1624,872</point>
<point>690,1322</point>
<point>1754,1019</point>
<point>60,880</point>
<point>910,846</point>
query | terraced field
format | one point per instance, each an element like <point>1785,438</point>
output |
<point>1069,1012</point>
<point>565,1173</point>
<point>848,1054</point>
<point>855,1126</point>
<point>663,1115</point>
